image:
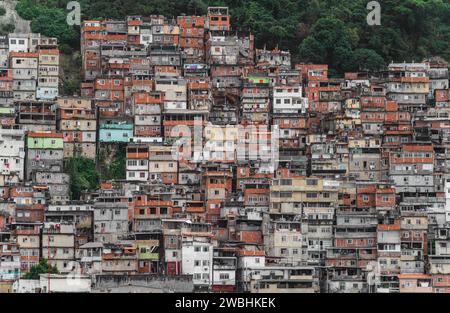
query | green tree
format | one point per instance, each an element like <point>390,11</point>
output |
<point>71,87</point>
<point>367,60</point>
<point>6,29</point>
<point>342,60</point>
<point>312,50</point>
<point>117,168</point>
<point>331,42</point>
<point>112,162</point>
<point>48,19</point>
<point>41,268</point>
<point>83,175</point>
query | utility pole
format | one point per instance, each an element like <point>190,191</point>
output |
<point>48,263</point>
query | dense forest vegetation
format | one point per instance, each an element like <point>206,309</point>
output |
<point>83,176</point>
<point>86,175</point>
<point>325,31</point>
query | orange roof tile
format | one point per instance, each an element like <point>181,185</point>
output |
<point>23,54</point>
<point>45,135</point>
<point>49,51</point>
<point>414,276</point>
<point>250,253</point>
<point>417,148</point>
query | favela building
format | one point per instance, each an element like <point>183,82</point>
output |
<point>213,165</point>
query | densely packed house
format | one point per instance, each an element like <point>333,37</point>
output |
<point>244,172</point>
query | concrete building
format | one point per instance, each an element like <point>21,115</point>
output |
<point>110,216</point>
<point>36,116</point>
<point>9,262</point>
<point>275,279</point>
<point>24,67</point>
<point>147,110</point>
<point>48,74</point>
<point>224,270</point>
<point>197,258</point>
<point>28,238</point>
<point>77,213</point>
<point>314,200</point>
<point>44,152</point>
<point>76,119</point>
<point>415,283</point>
<point>275,58</point>
<point>409,85</point>
<point>115,131</point>
<point>58,245</point>
<point>12,155</point>
<point>137,168</point>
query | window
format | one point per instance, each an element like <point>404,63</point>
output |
<point>224,276</point>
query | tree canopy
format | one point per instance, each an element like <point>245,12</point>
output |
<point>112,163</point>
<point>83,175</point>
<point>41,268</point>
